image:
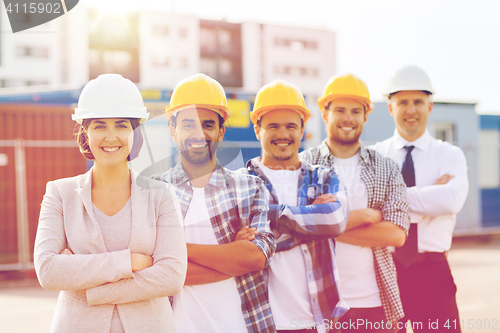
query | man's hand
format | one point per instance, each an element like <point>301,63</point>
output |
<point>246,233</point>
<point>325,198</point>
<point>444,179</point>
<point>140,261</point>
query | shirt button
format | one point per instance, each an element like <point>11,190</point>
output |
<point>224,224</point>
<point>189,183</point>
<point>186,198</point>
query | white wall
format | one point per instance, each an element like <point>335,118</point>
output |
<point>489,159</point>
<point>251,40</point>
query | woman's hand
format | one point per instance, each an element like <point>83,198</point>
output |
<point>66,251</point>
<point>140,261</point>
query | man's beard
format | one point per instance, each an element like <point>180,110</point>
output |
<point>200,158</point>
<point>344,142</point>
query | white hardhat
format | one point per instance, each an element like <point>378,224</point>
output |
<point>408,78</point>
<point>110,96</point>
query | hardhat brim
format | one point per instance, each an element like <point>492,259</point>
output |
<point>81,114</point>
<point>322,102</point>
<point>257,114</point>
<point>223,111</point>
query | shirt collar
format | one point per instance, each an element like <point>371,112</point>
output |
<point>325,151</point>
<point>254,163</point>
<point>179,176</point>
<point>421,142</point>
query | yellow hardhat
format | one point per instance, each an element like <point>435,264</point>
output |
<point>345,86</point>
<point>200,91</point>
<point>279,94</point>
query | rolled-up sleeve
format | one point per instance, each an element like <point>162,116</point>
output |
<point>395,206</point>
<point>258,211</point>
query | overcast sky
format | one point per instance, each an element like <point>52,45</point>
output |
<point>457,42</point>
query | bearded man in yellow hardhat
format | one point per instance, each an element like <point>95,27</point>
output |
<point>224,289</point>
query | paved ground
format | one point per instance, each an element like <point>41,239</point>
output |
<point>27,308</point>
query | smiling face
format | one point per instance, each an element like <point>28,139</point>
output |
<point>110,140</point>
<point>197,134</point>
<point>344,119</point>
<point>280,133</point>
<point>410,110</point>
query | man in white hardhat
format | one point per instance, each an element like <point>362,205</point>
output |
<point>225,289</point>
<point>307,212</point>
<point>436,175</point>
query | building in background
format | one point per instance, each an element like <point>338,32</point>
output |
<point>157,50</point>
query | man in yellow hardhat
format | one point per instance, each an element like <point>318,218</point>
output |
<point>378,209</point>
<point>436,175</point>
<point>306,213</point>
<point>224,289</point>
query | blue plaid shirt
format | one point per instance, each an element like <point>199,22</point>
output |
<point>313,228</point>
<point>234,201</point>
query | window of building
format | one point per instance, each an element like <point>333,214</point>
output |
<point>444,131</point>
<point>161,61</point>
<point>295,70</point>
<point>224,38</point>
<point>36,82</point>
<point>116,61</point>
<point>208,40</point>
<point>23,51</point>
<point>208,66</point>
<point>295,44</point>
<point>160,30</point>
<point>35,51</point>
<point>225,67</point>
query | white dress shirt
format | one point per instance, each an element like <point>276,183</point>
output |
<point>433,207</point>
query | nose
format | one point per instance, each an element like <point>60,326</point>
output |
<point>199,134</point>
<point>411,108</point>
<point>282,132</point>
<point>111,135</point>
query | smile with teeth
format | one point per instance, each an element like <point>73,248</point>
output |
<point>411,119</point>
<point>110,149</point>
<point>282,144</point>
<point>198,145</point>
<point>347,128</point>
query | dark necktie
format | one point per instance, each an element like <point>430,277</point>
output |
<point>407,253</point>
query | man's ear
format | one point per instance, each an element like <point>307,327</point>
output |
<point>257,129</point>
<point>389,106</point>
<point>324,114</point>
<point>172,133</point>
<point>222,131</point>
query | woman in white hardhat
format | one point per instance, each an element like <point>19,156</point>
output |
<point>114,249</point>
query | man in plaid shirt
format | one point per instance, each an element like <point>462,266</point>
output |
<point>378,209</point>
<point>224,289</point>
<point>306,215</point>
